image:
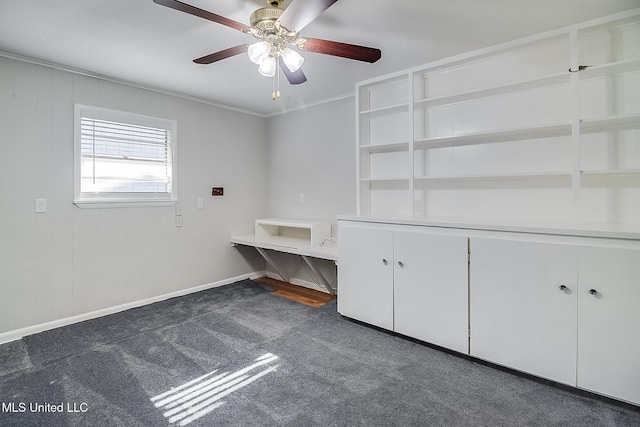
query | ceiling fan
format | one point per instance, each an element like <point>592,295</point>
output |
<point>276,29</point>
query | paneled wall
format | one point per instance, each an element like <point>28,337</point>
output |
<point>310,153</point>
<point>71,261</point>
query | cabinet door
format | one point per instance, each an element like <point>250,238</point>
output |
<point>365,274</point>
<point>609,321</point>
<point>520,317</point>
<point>431,288</point>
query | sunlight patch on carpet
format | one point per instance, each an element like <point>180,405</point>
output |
<point>196,398</point>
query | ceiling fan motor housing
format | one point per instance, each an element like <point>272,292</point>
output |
<point>264,19</point>
<point>265,27</point>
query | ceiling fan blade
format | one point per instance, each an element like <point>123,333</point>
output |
<point>223,54</point>
<point>294,78</point>
<point>301,12</point>
<point>192,10</point>
<point>344,50</point>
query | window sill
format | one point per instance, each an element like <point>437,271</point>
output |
<point>107,204</point>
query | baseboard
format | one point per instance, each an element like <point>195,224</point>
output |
<point>17,334</point>
<point>299,282</point>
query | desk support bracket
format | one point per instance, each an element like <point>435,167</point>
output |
<point>270,261</point>
<point>323,282</point>
<point>329,253</point>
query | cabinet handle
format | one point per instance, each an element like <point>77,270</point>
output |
<point>384,261</point>
<point>400,264</point>
<point>593,291</point>
<point>563,287</point>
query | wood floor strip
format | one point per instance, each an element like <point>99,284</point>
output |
<point>306,296</point>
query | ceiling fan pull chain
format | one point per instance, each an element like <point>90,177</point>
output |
<point>273,84</point>
<point>278,74</point>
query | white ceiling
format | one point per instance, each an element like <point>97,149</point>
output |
<point>147,44</point>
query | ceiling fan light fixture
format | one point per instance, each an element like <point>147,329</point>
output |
<point>292,59</point>
<point>258,52</point>
<point>270,52</point>
<point>268,66</point>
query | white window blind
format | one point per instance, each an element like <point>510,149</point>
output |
<point>123,157</point>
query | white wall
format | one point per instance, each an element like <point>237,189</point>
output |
<point>70,261</point>
<point>311,152</point>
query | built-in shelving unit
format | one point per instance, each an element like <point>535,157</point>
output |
<point>609,122</point>
<point>545,128</point>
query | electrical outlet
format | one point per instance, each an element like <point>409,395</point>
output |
<point>301,197</point>
<point>200,203</point>
<point>41,205</point>
<point>179,221</point>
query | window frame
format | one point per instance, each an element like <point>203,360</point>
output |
<point>122,199</point>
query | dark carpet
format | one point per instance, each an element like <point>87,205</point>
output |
<point>239,356</point>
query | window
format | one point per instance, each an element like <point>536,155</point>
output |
<point>123,159</point>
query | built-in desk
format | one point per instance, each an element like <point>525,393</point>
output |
<point>307,239</point>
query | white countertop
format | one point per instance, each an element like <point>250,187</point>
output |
<point>600,230</point>
<point>329,250</point>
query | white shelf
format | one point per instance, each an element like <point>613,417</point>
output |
<point>610,172</point>
<point>496,177</point>
<point>538,132</point>
<point>383,180</point>
<point>383,148</point>
<point>327,251</point>
<point>604,70</point>
<point>552,80</point>
<point>605,124</point>
<point>385,111</point>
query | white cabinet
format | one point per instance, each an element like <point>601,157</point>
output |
<point>609,321</point>
<point>561,306</point>
<point>406,279</point>
<point>365,274</point>
<point>430,288</point>
<point>566,312</point>
<point>523,310</point>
